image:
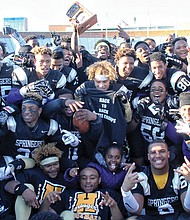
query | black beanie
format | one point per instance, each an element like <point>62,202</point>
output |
<point>139,42</point>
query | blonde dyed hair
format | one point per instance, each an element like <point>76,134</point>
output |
<point>44,151</point>
<point>41,50</point>
<point>34,96</point>
<point>102,68</point>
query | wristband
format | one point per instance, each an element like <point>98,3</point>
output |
<point>129,201</point>
<point>19,189</point>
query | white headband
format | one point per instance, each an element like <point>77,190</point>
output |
<point>100,77</point>
<point>102,44</point>
<point>49,160</point>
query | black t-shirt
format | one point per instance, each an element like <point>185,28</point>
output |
<point>86,205</point>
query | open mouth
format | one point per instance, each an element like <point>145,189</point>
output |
<point>156,98</point>
<point>113,166</point>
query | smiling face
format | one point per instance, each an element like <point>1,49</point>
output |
<point>158,92</point>
<point>30,113</point>
<point>113,159</point>
<point>103,52</point>
<point>125,65</point>
<point>158,68</point>
<point>181,49</point>
<point>51,169</point>
<point>66,57</point>
<point>158,155</point>
<point>142,52</point>
<point>42,63</point>
<point>89,179</point>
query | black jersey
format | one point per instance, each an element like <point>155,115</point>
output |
<point>176,81</point>
<point>152,126</point>
<point>161,201</point>
<point>85,149</point>
<point>6,202</point>
<point>19,140</point>
<point>21,78</point>
<point>138,81</point>
<point>71,77</point>
<point>155,125</point>
<point>42,183</point>
<point>86,205</point>
<point>5,79</point>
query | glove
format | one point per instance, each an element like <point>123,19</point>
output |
<point>161,48</point>
<point>174,62</point>
<point>42,87</point>
<point>45,90</point>
<point>56,39</point>
<point>173,101</point>
<point>69,138</point>
<point>142,105</point>
<point>80,91</point>
<point>123,96</point>
<point>3,117</point>
<point>159,108</point>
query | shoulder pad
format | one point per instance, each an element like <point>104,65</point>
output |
<point>11,124</point>
<point>53,127</point>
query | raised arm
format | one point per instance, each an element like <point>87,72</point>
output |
<point>132,202</point>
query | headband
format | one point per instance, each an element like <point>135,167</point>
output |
<point>102,44</point>
<point>32,101</point>
<point>101,77</point>
<point>49,160</point>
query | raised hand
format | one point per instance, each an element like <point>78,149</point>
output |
<point>131,178</point>
<point>73,171</point>
<point>142,105</point>
<point>107,200</point>
<point>175,62</point>
<point>69,138</point>
<point>184,169</point>
<point>122,33</point>
<point>161,47</point>
<point>74,104</point>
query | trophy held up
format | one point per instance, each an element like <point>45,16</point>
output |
<point>83,16</point>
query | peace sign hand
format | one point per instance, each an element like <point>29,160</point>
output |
<point>184,169</point>
<point>131,178</point>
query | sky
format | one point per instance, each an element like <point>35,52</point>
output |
<point>110,13</point>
